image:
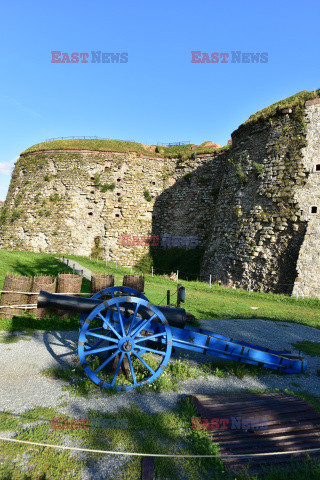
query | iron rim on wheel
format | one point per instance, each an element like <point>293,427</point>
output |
<point>127,335</point>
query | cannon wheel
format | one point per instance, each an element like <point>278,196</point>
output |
<point>125,334</point>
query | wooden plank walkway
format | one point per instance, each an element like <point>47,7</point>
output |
<point>245,423</point>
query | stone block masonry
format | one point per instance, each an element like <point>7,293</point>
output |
<point>61,201</point>
<point>266,226</point>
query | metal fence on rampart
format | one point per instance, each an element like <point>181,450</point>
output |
<point>168,144</point>
<point>88,138</point>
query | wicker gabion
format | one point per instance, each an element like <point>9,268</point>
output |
<point>101,281</point>
<point>68,283</point>
<point>15,283</point>
<point>134,281</point>
<point>46,283</point>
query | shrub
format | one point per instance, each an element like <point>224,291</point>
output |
<point>97,179</point>
<point>259,167</point>
<point>147,195</point>
<point>240,174</point>
<point>54,198</point>
<point>18,199</point>
<point>145,263</point>
<point>97,250</point>
<point>3,214</point>
<point>15,215</point>
<point>108,186</point>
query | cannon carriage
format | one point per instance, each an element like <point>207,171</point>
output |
<point>126,342</point>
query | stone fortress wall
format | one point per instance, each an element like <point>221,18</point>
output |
<point>56,204</point>
<point>255,208</point>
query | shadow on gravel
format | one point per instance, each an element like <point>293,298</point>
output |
<point>62,346</point>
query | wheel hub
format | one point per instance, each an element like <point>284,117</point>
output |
<point>126,344</point>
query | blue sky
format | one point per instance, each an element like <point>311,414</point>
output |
<point>158,95</point>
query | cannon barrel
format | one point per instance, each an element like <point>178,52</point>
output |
<point>66,302</point>
<point>176,317</point>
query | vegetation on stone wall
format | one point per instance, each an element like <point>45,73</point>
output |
<point>185,152</point>
<point>147,195</point>
<point>240,175</point>
<point>97,250</point>
<point>55,197</point>
<point>297,100</point>
<point>107,186</point>
<point>15,215</point>
<point>259,167</point>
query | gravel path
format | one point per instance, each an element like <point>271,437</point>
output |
<point>22,386</point>
<point>80,269</point>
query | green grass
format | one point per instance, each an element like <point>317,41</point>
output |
<point>185,152</point>
<point>78,384</point>
<point>14,337</point>
<point>219,301</point>
<point>297,100</point>
<point>180,151</point>
<point>310,348</point>
<point>201,301</point>
<point>148,433</point>
<point>131,430</point>
<point>83,144</point>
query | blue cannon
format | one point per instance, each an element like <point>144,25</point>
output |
<point>119,327</point>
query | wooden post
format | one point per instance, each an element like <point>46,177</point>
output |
<point>250,287</point>
<point>210,281</point>
<point>168,297</point>
<point>148,468</point>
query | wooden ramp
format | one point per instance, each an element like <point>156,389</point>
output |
<point>246,423</point>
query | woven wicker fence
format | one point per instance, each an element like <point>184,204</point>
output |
<point>101,281</point>
<point>134,281</point>
<point>42,283</point>
<point>15,283</point>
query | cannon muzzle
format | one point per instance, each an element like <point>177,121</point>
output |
<point>176,316</point>
<point>66,302</point>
